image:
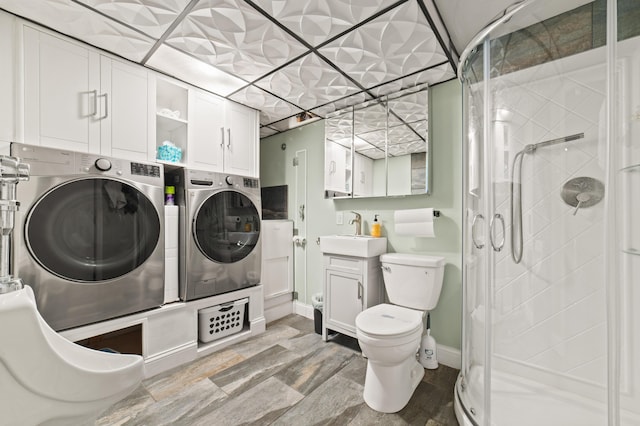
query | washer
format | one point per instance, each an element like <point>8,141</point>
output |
<point>220,233</point>
<point>89,235</point>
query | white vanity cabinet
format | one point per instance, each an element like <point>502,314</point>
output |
<point>351,285</point>
<point>77,99</point>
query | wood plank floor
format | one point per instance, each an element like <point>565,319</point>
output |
<point>285,376</point>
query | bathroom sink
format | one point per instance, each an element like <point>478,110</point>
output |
<point>353,245</point>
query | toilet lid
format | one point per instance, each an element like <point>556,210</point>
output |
<point>388,320</point>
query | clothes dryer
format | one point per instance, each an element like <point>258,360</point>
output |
<point>220,233</point>
<point>89,235</point>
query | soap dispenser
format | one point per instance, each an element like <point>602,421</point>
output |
<point>375,227</point>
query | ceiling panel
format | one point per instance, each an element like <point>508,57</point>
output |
<point>308,82</point>
<point>427,77</point>
<point>395,44</point>
<point>282,57</point>
<point>271,108</point>
<point>153,17</point>
<point>80,22</point>
<point>187,68</point>
<point>267,131</point>
<point>234,37</point>
<point>330,107</point>
<point>318,21</point>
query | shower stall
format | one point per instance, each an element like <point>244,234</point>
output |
<point>551,253</point>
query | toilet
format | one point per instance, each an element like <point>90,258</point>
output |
<point>48,380</point>
<point>390,334</point>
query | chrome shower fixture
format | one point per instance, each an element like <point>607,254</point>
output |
<point>516,207</point>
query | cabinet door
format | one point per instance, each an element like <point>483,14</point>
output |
<point>277,257</point>
<point>61,84</point>
<point>206,132</point>
<point>123,110</point>
<point>362,176</point>
<point>344,293</point>
<point>335,167</point>
<point>241,145</point>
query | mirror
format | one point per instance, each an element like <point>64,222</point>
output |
<point>379,148</point>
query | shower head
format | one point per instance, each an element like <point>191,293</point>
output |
<point>530,148</point>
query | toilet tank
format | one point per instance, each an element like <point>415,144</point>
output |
<point>413,280</point>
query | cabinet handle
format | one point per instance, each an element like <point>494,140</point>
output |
<point>332,167</point>
<point>359,290</point>
<point>106,105</point>
<point>222,137</point>
<point>95,103</point>
<point>229,139</point>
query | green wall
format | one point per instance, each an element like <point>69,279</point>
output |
<point>445,126</point>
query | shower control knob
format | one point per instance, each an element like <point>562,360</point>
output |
<point>103,164</point>
<point>229,180</point>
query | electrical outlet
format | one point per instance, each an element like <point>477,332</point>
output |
<point>339,218</point>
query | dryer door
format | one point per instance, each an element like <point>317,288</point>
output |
<point>226,227</point>
<point>92,230</point>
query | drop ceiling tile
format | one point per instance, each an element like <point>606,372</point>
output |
<point>187,68</point>
<point>345,102</point>
<point>407,148</point>
<point>395,44</point>
<point>234,37</point>
<point>401,135</point>
<point>267,131</point>
<point>153,17</point>
<point>431,76</point>
<point>308,82</point>
<point>316,21</point>
<point>77,21</point>
<point>410,107</point>
<point>374,153</point>
<point>271,108</point>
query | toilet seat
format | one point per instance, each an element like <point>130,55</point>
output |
<point>387,325</point>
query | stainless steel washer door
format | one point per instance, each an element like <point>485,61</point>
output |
<point>92,230</point>
<point>226,227</point>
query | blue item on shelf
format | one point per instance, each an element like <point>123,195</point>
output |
<point>169,152</point>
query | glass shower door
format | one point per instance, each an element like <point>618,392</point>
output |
<point>470,388</point>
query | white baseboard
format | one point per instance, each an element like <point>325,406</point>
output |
<point>303,309</point>
<point>278,311</point>
<point>451,357</point>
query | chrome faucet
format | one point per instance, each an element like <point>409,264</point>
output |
<point>358,221</point>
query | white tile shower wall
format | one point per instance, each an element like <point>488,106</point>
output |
<point>550,309</point>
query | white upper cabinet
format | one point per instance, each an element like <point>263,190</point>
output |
<point>123,110</point>
<point>71,96</point>
<point>206,131</point>
<point>242,142</point>
<point>61,89</point>
<point>223,135</point>
<point>77,99</point>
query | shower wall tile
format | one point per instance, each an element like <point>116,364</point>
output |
<point>549,315</point>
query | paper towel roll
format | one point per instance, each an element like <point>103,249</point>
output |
<point>415,222</point>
